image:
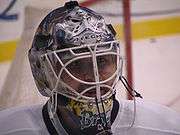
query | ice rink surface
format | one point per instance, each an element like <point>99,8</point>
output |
<point>156,67</point>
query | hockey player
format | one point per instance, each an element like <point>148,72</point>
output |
<point>76,62</point>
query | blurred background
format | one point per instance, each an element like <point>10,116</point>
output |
<point>150,47</point>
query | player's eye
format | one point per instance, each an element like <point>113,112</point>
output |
<point>102,61</point>
<point>75,65</point>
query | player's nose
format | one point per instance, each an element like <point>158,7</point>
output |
<point>88,76</point>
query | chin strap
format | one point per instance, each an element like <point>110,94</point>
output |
<point>130,90</point>
<point>133,94</point>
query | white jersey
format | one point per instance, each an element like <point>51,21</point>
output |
<point>150,119</point>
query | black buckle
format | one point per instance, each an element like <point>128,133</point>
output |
<point>112,29</point>
<point>71,4</point>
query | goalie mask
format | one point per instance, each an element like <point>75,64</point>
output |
<point>75,54</point>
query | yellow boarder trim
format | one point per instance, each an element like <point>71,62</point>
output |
<point>152,28</point>
<point>8,49</point>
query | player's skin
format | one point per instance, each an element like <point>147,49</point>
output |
<point>83,71</point>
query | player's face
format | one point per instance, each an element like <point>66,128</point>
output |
<point>83,70</point>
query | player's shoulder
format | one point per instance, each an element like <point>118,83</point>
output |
<point>21,120</point>
<point>152,110</point>
<point>151,116</point>
<point>156,109</point>
<point>145,106</point>
<point>18,111</point>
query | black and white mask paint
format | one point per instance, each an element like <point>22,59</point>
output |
<point>75,54</point>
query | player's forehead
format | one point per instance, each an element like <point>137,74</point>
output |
<point>103,59</point>
<point>85,51</point>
